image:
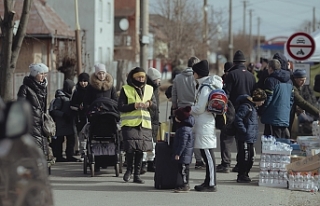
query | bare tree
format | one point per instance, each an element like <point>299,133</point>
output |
<point>182,22</point>
<point>11,44</point>
<point>68,67</point>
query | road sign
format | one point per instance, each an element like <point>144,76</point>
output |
<point>300,46</point>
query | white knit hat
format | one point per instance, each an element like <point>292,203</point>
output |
<point>99,68</point>
<point>153,73</point>
<point>38,68</point>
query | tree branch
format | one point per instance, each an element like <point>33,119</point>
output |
<point>18,39</point>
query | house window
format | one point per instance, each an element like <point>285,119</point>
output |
<point>109,12</point>
<point>100,10</point>
<point>100,54</point>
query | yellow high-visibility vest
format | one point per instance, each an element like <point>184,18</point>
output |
<point>138,116</point>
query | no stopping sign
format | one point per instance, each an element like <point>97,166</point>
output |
<point>300,46</point>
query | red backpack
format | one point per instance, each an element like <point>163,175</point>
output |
<point>217,101</point>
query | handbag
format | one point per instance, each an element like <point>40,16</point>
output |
<point>48,125</point>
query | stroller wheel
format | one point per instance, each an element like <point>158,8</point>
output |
<point>92,170</point>
<point>120,163</point>
<point>85,164</point>
<point>116,168</point>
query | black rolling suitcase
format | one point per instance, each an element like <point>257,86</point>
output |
<point>166,174</point>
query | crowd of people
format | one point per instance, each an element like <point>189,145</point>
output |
<point>274,100</point>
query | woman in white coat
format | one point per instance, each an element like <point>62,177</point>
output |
<point>204,128</point>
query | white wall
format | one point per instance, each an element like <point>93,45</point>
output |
<point>99,29</point>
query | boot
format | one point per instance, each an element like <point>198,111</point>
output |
<point>151,166</point>
<point>127,175</point>
<point>143,168</point>
<point>137,167</point>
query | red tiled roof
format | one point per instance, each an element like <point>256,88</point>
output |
<point>43,20</point>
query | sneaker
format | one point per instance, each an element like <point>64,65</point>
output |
<point>185,188</point>
<point>235,169</point>
<point>243,179</point>
<point>199,165</point>
<point>204,188</point>
<point>223,169</point>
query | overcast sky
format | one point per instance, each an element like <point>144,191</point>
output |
<point>278,17</point>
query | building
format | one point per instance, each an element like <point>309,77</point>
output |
<point>46,36</point>
<point>96,18</point>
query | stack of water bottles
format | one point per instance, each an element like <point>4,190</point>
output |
<point>274,158</point>
<point>305,181</point>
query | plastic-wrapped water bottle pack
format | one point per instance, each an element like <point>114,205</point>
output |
<point>305,181</point>
<point>270,143</point>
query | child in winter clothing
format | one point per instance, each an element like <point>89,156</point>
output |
<point>62,115</point>
<point>183,145</point>
<point>247,125</point>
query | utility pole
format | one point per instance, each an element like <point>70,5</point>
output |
<point>230,32</point>
<point>78,39</point>
<point>258,44</point>
<point>244,17</point>
<point>144,33</point>
<point>205,28</point>
<point>250,35</point>
<point>314,19</point>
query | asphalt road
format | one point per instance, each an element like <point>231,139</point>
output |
<point>72,188</point>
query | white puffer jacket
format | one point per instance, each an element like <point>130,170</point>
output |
<point>204,128</point>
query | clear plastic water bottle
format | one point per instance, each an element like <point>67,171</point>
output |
<point>291,181</point>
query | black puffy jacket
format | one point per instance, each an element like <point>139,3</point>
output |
<point>62,114</point>
<point>36,94</point>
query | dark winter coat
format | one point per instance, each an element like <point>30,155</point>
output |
<point>77,100</point>
<point>276,109</point>
<point>154,113</point>
<point>246,120</point>
<point>184,141</point>
<point>98,89</point>
<point>300,102</point>
<point>36,93</point>
<point>239,81</point>
<point>135,138</point>
<point>62,114</point>
<point>262,75</point>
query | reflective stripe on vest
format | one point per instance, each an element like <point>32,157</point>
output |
<point>138,116</point>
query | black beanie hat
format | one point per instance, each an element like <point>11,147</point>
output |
<point>83,77</point>
<point>299,73</point>
<point>201,68</point>
<point>183,113</point>
<point>227,66</point>
<point>259,95</point>
<point>137,70</point>
<point>238,57</point>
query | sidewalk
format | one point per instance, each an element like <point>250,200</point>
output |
<point>68,181</point>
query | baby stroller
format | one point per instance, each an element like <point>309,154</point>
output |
<point>103,144</point>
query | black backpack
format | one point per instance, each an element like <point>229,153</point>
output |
<point>229,129</point>
<point>316,86</point>
<point>223,122</point>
